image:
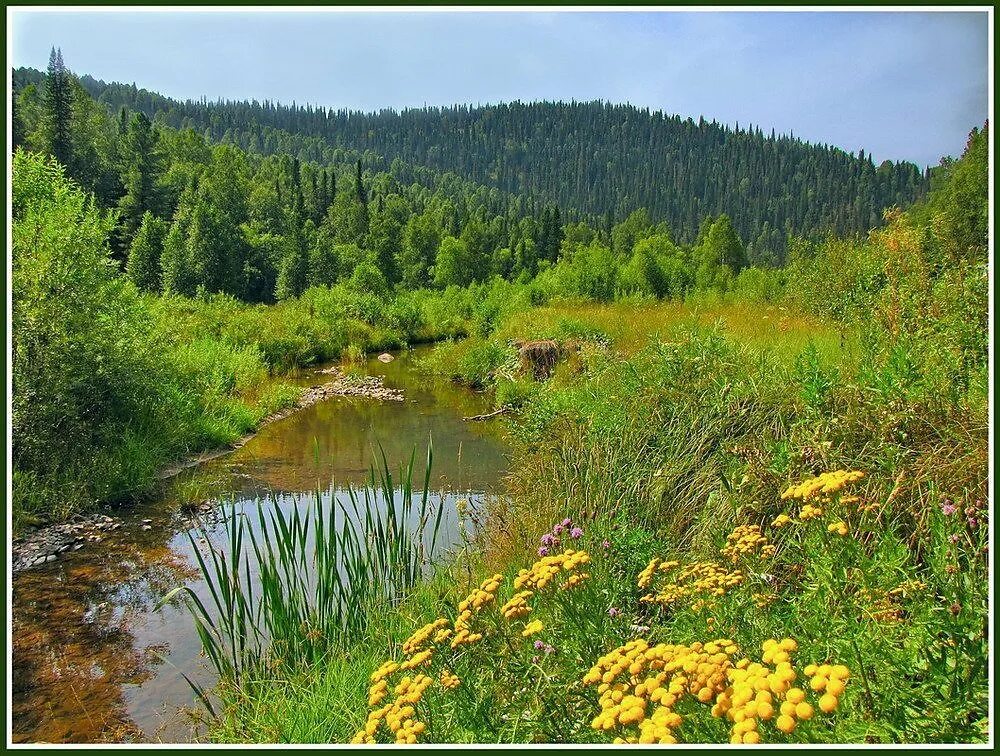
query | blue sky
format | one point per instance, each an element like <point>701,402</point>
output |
<point>902,86</point>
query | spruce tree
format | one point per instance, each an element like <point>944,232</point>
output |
<point>140,176</point>
<point>145,253</point>
<point>59,110</point>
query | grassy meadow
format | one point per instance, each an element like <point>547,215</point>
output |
<point>654,575</point>
<point>752,516</point>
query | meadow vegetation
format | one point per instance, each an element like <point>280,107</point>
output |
<point>726,521</point>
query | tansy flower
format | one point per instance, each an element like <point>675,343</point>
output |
<point>532,627</point>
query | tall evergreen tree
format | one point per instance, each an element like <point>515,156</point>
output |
<point>140,177</point>
<point>58,119</point>
<point>145,253</point>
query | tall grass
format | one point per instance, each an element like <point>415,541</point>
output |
<point>285,588</point>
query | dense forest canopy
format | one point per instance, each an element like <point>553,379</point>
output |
<point>596,161</point>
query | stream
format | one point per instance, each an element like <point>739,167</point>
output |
<point>92,661</point>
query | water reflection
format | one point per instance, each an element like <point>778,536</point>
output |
<point>93,663</point>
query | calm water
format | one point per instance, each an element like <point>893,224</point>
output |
<point>93,662</point>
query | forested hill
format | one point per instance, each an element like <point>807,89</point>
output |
<point>592,159</point>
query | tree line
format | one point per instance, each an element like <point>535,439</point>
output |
<point>193,216</point>
<point>591,158</point>
<point>261,201</point>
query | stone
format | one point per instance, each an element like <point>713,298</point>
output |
<point>385,357</point>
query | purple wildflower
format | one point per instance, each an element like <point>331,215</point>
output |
<point>543,551</point>
<point>567,522</point>
<point>549,649</point>
<point>953,538</point>
<point>947,508</point>
<point>576,532</point>
<point>548,539</point>
<point>613,612</point>
<point>539,645</point>
<point>606,544</point>
<point>558,529</point>
<point>973,522</point>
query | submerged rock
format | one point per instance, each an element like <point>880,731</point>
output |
<point>43,545</point>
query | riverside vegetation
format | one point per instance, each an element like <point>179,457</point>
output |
<point>749,504</point>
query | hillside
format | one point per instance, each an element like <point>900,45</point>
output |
<point>594,159</point>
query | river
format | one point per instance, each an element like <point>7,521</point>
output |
<point>92,661</point>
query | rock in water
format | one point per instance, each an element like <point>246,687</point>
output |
<point>385,357</point>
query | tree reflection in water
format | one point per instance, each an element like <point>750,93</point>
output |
<point>74,635</point>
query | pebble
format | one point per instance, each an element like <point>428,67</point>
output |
<point>41,545</point>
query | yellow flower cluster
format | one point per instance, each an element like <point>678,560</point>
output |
<point>826,483</point>
<point>656,677</point>
<point>829,680</point>
<point>384,671</point>
<point>759,693</point>
<point>839,527</point>
<point>574,580</point>
<point>482,596</point>
<point>417,660</point>
<point>755,690</point>
<point>377,693</point>
<point>781,520</point>
<point>908,588</point>
<point>517,607</point>
<point>810,512</point>
<point>420,636</point>
<point>647,574</point>
<point>545,569</point>
<point>763,600</point>
<point>641,685</point>
<point>694,580</point>
<point>881,606</point>
<point>745,541</point>
<point>448,680</point>
<point>532,627</point>
<point>397,716</point>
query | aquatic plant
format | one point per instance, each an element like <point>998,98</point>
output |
<point>285,587</point>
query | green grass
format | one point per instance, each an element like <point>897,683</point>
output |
<point>661,441</point>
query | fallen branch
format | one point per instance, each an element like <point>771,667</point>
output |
<point>488,415</point>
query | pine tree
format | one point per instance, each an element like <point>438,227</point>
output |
<point>17,133</point>
<point>59,110</point>
<point>145,253</point>
<point>140,176</point>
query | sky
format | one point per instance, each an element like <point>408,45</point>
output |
<point>900,85</point>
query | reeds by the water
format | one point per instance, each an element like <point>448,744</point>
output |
<point>288,586</point>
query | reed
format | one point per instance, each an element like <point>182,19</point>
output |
<point>285,587</point>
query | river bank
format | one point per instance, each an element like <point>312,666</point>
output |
<point>43,545</point>
<point>87,645</point>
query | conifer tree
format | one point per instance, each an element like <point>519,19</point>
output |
<point>145,253</point>
<point>140,176</point>
<point>59,110</point>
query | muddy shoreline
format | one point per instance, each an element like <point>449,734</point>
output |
<point>48,543</point>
